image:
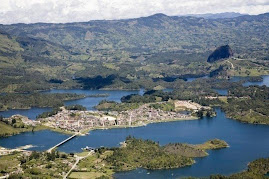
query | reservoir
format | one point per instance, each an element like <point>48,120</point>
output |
<point>265,81</point>
<point>88,102</point>
<point>114,95</point>
<point>247,142</point>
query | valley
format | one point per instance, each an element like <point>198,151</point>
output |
<point>150,97</point>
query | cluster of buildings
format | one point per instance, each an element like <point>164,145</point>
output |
<point>146,114</point>
<point>77,121</point>
<point>187,105</point>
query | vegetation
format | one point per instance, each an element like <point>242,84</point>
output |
<point>76,107</point>
<point>94,166</point>
<point>114,55</point>
<point>7,130</point>
<point>249,104</point>
<point>146,154</point>
<point>114,106</point>
<point>97,165</point>
<point>54,111</point>
<point>256,169</point>
<point>24,101</point>
<point>199,150</point>
<point>15,126</point>
<point>168,106</point>
<point>150,155</point>
<point>36,165</point>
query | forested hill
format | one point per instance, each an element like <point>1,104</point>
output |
<point>156,33</point>
<point>217,15</point>
<point>124,54</point>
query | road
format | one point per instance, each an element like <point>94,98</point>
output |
<point>77,161</point>
<point>231,64</point>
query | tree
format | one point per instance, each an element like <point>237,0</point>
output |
<point>199,114</point>
<point>13,121</point>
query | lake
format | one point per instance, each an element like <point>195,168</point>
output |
<point>114,95</point>
<point>247,142</point>
<point>88,102</point>
<point>30,113</point>
<point>191,79</point>
<point>265,81</point>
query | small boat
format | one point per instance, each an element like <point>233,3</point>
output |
<point>87,148</point>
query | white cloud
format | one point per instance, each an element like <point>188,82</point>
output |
<point>31,11</point>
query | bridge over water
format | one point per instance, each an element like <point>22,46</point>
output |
<point>61,143</point>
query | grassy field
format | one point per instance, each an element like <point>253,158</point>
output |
<point>8,130</point>
<point>93,166</point>
<point>9,163</point>
<point>247,68</point>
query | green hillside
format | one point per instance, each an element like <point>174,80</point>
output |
<point>126,54</point>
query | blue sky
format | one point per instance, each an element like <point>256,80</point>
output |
<point>62,11</point>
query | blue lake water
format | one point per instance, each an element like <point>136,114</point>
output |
<point>223,92</point>
<point>247,142</point>
<point>114,95</point>
<point>88,102</point>
<point>265,82</point>
<point>194,78</point>
<point>30,113</point>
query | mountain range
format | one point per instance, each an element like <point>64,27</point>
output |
<point>65,51</point>
<point>217,15</point>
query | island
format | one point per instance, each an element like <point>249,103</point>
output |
<point>103,162</point>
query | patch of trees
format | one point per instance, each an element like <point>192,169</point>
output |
<point>256,169</point>
<point>77,107</point>
<point>146,154</point>
<point>54,111</point>
<point>105,105</point>
<point>253,92</point>
<point>22,101</point>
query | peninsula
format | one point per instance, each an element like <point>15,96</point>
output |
<point>83,121</point>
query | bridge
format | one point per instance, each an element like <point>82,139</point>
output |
<point>61,143</point>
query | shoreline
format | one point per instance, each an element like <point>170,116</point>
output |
<point>38,128</point>
<point>87,131</point>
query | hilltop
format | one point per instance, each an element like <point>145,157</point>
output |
<point>217,15</point>
<point>126,54</point>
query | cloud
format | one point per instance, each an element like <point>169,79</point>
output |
<point>62,11</point>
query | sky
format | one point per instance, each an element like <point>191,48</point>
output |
<point>62,11</point>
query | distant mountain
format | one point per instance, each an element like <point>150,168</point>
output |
<point>247,35</point>
<point>33,55</point>
<point>217,15</point>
